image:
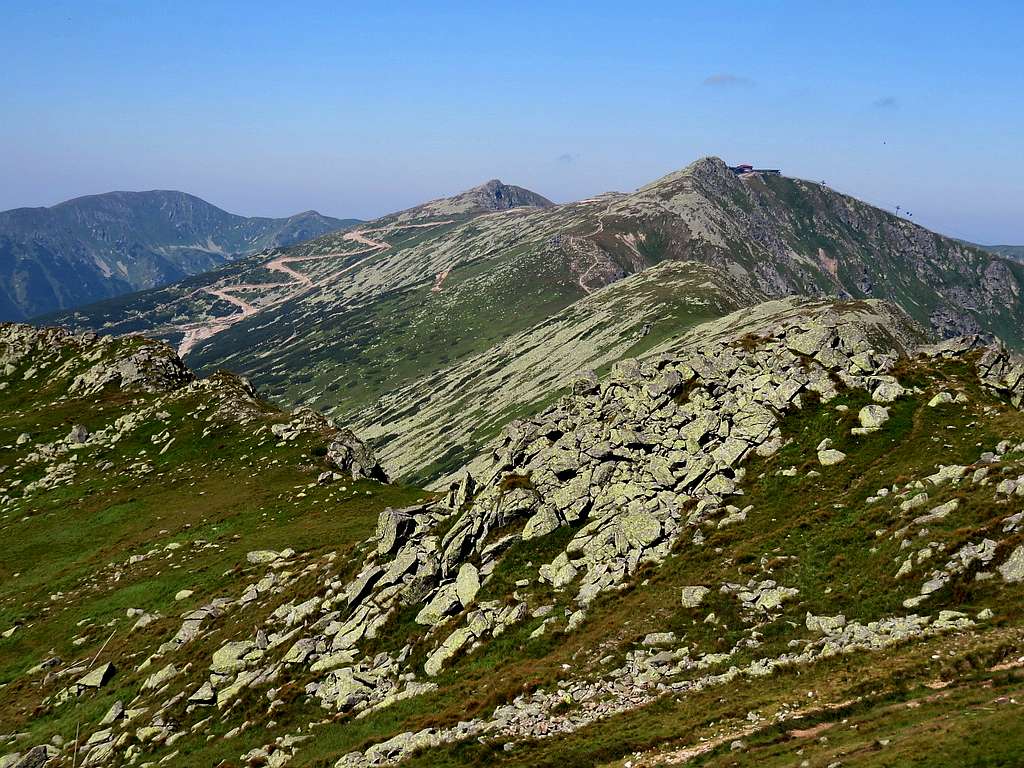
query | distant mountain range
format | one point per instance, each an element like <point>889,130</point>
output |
<point>1010,251</point>
<point>101,246</point>
<point>429,329</point>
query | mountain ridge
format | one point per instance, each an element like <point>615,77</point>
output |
<point>1010,251</point>
<point>421,306</point>
<point>100,246</point>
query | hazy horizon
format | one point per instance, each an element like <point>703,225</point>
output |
<point>268,112</point>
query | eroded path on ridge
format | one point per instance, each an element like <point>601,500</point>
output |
<point>581,243</point>
<point>576,242</point>
<point>296,284</point>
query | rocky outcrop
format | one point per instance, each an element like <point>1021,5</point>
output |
<point>352,455</point>
<point>631,464</point>
<point>55,365</point>
<point>138,364</point>
<point>998,369</point>
<point>151,367</point>
<point>345,451</point>
<point>639,462</point>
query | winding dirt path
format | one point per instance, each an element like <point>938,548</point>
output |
<point>280,265</point>
<point>583,276</point>
<point>597,261</point>
<point>297,283</point>
<point>242,304</point>
<point>439,280</point>
<point>359,236</point>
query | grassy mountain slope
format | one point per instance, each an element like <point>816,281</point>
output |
<point>1009,251</point>
<point>100,246</point>
<point>123,481</point>
<point>785,535</point>
<point>433,425</point>
<point>355,321</point>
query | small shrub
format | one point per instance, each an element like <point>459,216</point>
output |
<point>511,482</point>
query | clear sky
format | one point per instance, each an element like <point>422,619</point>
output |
<point>271,108</point>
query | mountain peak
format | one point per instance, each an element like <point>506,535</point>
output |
<point>707,163</point>
<point>704,167</point>
<point>495,195</point>
<point>492,195</point>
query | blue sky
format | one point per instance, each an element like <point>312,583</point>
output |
<point>272,108</point>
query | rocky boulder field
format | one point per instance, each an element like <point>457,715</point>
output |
<point>790,536</point>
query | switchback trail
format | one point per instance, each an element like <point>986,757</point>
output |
<point>296,284</point>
